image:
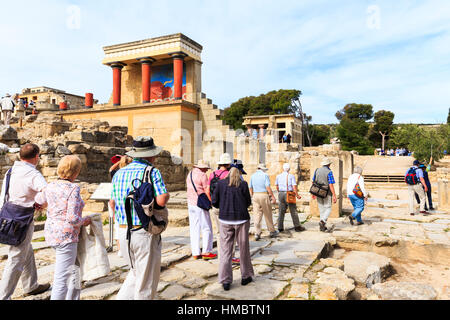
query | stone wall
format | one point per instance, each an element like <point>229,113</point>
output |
<point>443,177</point>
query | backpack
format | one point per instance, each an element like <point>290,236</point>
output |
<point>214,182</point>
<point>153,218</point>
<point>411,177</point>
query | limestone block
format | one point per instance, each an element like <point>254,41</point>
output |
<point>334,263</point>
<point>444,194</point>
<point>48,161</point>
<point>359,265</point>
<point>63,151</point>
<point>80,136</point>
<point>299,291</point>
<point>49,172</point>
<point>175,292</point>
<point>332,277</point>
<point>7,133</point>
<point>392,290</point>
<point>347,163</point>
<point>80,148</point>
<point>172,275</point>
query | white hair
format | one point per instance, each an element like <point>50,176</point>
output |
<point>358,170</point>
<point>286,167</point>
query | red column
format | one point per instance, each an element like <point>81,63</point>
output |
<point>178,60</point>
<point>117,82</point>
<point>146,78</point>
<point>89,100</point>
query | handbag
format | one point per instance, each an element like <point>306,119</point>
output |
<point>14,219</point>
<point>319,190</point>
<point>357,190</point>
<point>203,200</point>
<point>291,197</point>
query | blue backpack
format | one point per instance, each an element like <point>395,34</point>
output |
<point>411,177</point>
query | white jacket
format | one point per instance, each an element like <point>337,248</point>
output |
<point>7,104</point>
<point>352,180</point>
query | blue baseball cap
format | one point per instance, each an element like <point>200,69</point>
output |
<point>416,163</point>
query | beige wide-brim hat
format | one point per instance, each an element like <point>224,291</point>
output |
<point>8,95</point>
<point>144,147</point>
<point>202,165</point>
<point>326,162</point>
<point>262,167</point>
<point>225,159</point>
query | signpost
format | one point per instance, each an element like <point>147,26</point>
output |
<point>103,193</point>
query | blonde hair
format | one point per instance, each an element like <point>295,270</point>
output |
<point>235,177</point>
<point>124,161</point>
<point>69,167</point>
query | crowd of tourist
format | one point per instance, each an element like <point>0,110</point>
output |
<point>139,197</point>
<point>398,152</point>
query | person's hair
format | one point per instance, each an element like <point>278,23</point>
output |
<point>235,177</point>
<point>358,170</point>
<point>69,167</point>
<point>124,161</point>
<point>29,151</point>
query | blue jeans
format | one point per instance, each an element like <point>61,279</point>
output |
<point>358,205</point>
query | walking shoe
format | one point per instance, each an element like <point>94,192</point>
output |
<point>274,234</point>
<point>40,289</point>
<point>322,226</point>
<point>236,261</point>
<point>413,214</point>
<point>197,257</point>
<point>209,256</point>
<point>245,282</point>
<point>257,237</point>
<point>226,286</point>
<point>351,220</point>
<point>299,229</point>
<point>425,213</point>
<point>360,223</point>
<point>280,230</point>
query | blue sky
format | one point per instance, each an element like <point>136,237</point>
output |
<point>394,55</point>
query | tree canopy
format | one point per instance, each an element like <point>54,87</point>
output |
<point>382,128</point>
<point>273,102</point>
<point>353,127</point>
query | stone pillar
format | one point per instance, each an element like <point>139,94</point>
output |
<point>89,100</point>
<point>178,59</point>
<point>146,78</point>
<point>250,129</point>
<point>443,176</point>
<point>261,130</point>
<point>117,82</point>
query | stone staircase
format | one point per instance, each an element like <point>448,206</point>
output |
<point>211,116</point>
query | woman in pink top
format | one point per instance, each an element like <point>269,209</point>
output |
<point>63,227</point>
<point>199,219</point>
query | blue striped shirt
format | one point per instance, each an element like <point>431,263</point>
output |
<point>121,186</point>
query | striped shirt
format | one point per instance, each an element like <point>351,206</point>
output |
<point>121,187</point>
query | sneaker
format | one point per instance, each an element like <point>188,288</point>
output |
<point>197,257</point>
<point>236,261</point>
<point>245,282</point>
<point>274,234</point>
<point>413,214</point>
<point>226,286</point>
<point>40,289</point>
<point>299,229</point>
<point>209,256</point>
<point>360,223</point>
<point>280,230</point>
<point>351,220</point>
<point>257,237</point>
<point>425,213</point>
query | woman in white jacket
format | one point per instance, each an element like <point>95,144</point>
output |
<point>358,202</point>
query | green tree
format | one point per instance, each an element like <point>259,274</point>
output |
<point>273,102</point>
<point>448,117</point>
<point>353,127</point>
<point>319,134</point>
<point>384,124</point>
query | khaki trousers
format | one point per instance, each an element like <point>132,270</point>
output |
<point>419,190</point>
<point>229,234</point>
<point>6,117</point>
<point>262,206</point>
<point>216,229</point>
<point>142,280</point>
<point>20,265</point>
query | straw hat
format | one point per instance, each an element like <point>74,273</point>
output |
<point>144,147</point>
<point>202,165</point>
<point>225,159</point>
<point>8,95</point>
<point>262,167</point>
<point>326,162</point>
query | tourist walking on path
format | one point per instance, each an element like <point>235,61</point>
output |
<point>62,227</point>
<point>357,194</point>
<point>26,182</point>
<point>285,183</point>
<point>324,176</point>
<point>7,105</point>
<point>232,196</point>
<point>428,193</point>
<point>145,248</point>
<point>262,201</point>
<point>416,184</point>
<point>199,218</point>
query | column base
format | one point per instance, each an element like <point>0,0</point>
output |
<point>145,101</point>
<point>116,105</point>
<point>178,98</point>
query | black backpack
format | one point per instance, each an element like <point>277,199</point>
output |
<point>214,182</point>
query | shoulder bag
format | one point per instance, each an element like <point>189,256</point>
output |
<point>203,200</point>
<point>319,190</point>
<point>14,220</point>
<point>357,190</point>
<point>291,197</point>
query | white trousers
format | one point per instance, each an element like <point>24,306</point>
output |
<point>324,205</point>
<point>6,117</point>
<point>200,225</point>
<point>67,278</point>
<point>142,280</point>
<point>419,190</point>
<point>20,265</point>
